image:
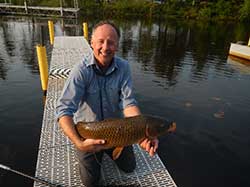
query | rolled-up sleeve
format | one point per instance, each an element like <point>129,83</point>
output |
<point>127,95</point>
<point>72,93</point>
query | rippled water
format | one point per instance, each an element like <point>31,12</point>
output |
<point>181,71</point>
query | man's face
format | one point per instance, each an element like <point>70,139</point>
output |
<point>104,43</point>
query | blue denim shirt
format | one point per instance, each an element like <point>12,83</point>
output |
<point>90,95</point>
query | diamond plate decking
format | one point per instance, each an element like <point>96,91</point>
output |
<point>57,161</point>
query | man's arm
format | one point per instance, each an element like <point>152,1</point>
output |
<point>131,111</point>
<point>149,145</point>
<point>88,145</point>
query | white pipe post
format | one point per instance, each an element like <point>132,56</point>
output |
<point>26,7</point>
<point>61,5</point>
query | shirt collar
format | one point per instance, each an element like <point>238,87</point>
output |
<point>91,61</point>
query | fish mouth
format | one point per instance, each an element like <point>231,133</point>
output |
<point>172,127</point>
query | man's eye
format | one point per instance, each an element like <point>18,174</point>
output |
<point>111,42</point>
<point>100,42</point>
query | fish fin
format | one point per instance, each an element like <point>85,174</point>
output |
<point>117,152</point>
<point>172,127</point>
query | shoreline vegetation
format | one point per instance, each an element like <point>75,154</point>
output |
<point>238,10</point>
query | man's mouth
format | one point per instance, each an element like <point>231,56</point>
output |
<point>105,54</point>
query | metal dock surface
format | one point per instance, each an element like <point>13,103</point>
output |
<point>57,161</point>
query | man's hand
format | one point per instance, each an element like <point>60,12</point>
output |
<point>91,145</point>
<point>149,145</point>
<point>88,145</point>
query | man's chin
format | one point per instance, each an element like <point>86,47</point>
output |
<point>106,61</point>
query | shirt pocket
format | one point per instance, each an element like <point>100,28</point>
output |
<point>93,96</point>
<point>113,93</point>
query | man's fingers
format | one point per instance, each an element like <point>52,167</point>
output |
<point>148,146</point>
<point>153,147</point>
<point>155,144</point>
<point>151,151</point>
<point>145,144</point>
<point>100,142</point>
<point>94,145</point>
<point>96,141</point>
<point>142,143</point>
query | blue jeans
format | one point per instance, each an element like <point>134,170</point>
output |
<point>90,168</point>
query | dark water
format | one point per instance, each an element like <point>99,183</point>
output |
<point>180,70</point>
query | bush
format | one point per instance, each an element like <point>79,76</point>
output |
<point>245,11</point>
<point>129,7</point>
<point>223,8</point>
<point>191,13</point>
<point>205,13</point>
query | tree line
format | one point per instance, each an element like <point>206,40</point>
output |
<point>186,9</point>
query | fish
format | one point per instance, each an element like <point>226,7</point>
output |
<point>123,132</point>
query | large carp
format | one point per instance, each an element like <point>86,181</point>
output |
<point>127,131</point>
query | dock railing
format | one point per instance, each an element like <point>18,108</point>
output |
<point>26,9</point>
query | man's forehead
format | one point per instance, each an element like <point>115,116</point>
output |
<point>104,29</point>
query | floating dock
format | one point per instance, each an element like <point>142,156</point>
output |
<point>240,51</point>
<point>239,64</point>
<point>38,10</point>
<point>57,162</point>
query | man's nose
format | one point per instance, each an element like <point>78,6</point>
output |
<point>105,45</point>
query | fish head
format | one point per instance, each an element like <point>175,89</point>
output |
<point>158,126</point>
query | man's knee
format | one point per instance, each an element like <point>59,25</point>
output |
<point>89,168</point>
<point>89,176</point>
<point>89,180</point>
<point>127,162</point>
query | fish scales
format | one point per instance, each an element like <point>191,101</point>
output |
<point>116,132</point>
<point>126,131</point>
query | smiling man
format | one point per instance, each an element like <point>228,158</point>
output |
<point>104,43</point>
<point>99,88</point>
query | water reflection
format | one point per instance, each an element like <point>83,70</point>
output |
<point>180,70</point>
<point>18,38</point>
<point>161,47</point>
<point>240,65</point>
<point>17,41</point>
<point>167,48</point>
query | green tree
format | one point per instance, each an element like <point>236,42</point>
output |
<point>245,11</point>
<point>223,8</point>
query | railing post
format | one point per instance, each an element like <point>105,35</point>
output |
<point>26,7</point>
<point>43,66</point>
<point>51,32</point>
<point>76,7</point>
<point>76,4</point>
<point>61,10</point>
<point>85,30</point>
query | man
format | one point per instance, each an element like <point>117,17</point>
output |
<point>99,88</point>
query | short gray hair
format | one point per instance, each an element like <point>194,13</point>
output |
<point>108,23</point>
